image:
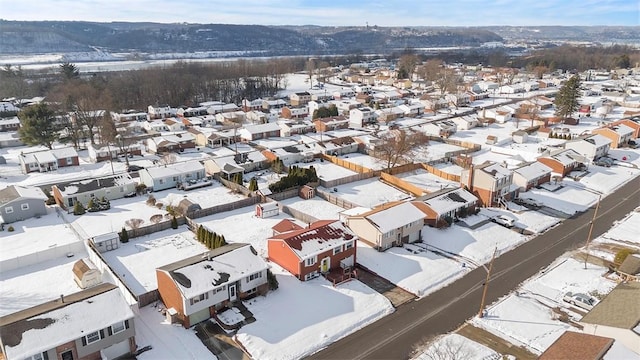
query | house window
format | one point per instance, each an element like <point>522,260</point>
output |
<point>348,245</point>
<point>199,298</point>
<point>254,276</point>
<point>39,356</point>
<point>220,289</point>
<point>161,181</point>
<point>92,337</point>
<point>8,209</point>
<point>24,206</point>
<point>311,275</point>
<point>69,161</point>
<point>175,178</point>
<point>118,327</point>
<point>310,261</point>
<point>337,250</point>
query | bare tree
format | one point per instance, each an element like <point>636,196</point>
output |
<point>397,146</point>
<point>446,348</point>
<point>407,66</point>
<point>447,81</point>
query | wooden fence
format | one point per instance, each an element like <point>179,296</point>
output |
<point>346,164</point>
<point>152,228</point>
<point>287,194</point>
<point>348,179</point>
<point>223,207</point>
<point>437,172</point>
<point>304,217</point>
<point>402,184</point>
<point>335,200</point>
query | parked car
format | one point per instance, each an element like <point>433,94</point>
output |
<point>580,300</point>
<point>603,161</point>
<point>529,202</point>
<point>134,168</point>
<point>504,220</point>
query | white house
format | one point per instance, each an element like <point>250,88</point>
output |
<point>361,116</point>
<point>592,147</point>
<point>171,175</point>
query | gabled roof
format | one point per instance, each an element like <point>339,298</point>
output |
<point>286,225</point>
<point>533,170</point>
<point>598,140</point>
<point>200,273</point>
<point>56,322</point>
<point>494,169</point>
<point>448,200</point>
<point>14,192</point>
<point>394,217</point>
<point>83,186</point>
<point>176,169</point>
<point>565,156</point>
<point>319,236</point>
<point>577,346</point>
<point>618,309</point>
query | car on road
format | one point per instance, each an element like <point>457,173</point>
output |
<point>504,220</point>
<point>580,300</point>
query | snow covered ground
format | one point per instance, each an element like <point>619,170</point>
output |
<point>365,160</point>
<point>327,170</point>
<point>302,317</point>
<point>456,346</point>
<point>624,231</point>
<point>568,199</point>
<point>316,207</point>
<point>369,193</point>
<point>426,180</point>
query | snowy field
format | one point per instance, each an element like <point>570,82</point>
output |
<point>426,180</point>
<point>568,199</point>
<point>457,347</point>
<point>136,261</point>
<point>449,168</point>
<point>36,235</point>
<point>327,170</point>
<point>168,341</point>
<point>206,197</point>
<point>365,160</point>
<point>625,231</point>
<point>369,193</point>
<point>526,317</point>
<point>242,226</point>
<point>418,271</point>
<point>300,318</point>
<point>524,218</point>
<point>606,180</point>
<point>36,284</point>
<point>316,207</point>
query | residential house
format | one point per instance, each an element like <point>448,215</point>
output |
<point>291,154</point>
<point>324,247</point>
<point>290,127</point>
<point>155,126</point>
<point>258,117</point>
<point>273,104</point>
<point>331,123</point>
<point>388,225</point>
<point>299,98</point>
<point>443,207</point>
<point>465,122</point>
<point>95,323</point>
<point>251,105</point>
<point>442,128</point>
<point>171,143</point>
<point>222,138</point>
<point>217,107</point>
<point>174,124</point>
<point>591,147</point>
<point>336,146</point>
<point>161,112</point>
<point>48,160</point>
<point>259,131</point>
<point>633,124</point>
<point>361,117</point>
<point>458,99</point>
<point>490,182</point>
<point>170,176</point>
<point>500,115</point>
<point>237,117</point>
<point>387,115</point>
<point>617,316</point>
<point>531,175</point>
<point>295,112</point>
<point>563,161</point>
<point>573,345</point>
<point>110,187</point>
<point>10,139</point>
<point>345,106</point>
<point>9,124</point>
<point>344,93</point>
<point>197,287</point>
<point>99,153</point>
<point>412,110</point>
<point>192,111</point>
<point>20,203</point>
<point>618,134</point>
<point>129,116</point>
<point>477,95</point>
<point>225,166</point>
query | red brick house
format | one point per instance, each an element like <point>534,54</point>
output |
<point>490,182</point>
<point>562,162</point>
<point>326,248</point>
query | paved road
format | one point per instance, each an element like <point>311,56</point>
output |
<point>393,336</point>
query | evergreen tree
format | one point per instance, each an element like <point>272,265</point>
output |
<point>78,208</point>
<point>253,184</point>
<point>566,101</point>
<point>124,235</point>
<point>69,71</point>
<point>174,222</point>
<point>38,126</point>
<point>200,233</point>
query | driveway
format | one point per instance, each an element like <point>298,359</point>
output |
<point>218,342</point>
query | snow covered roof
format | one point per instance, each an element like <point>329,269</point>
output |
<point>261,128</point>
<point>450,200</point>
<point>496,170</point>
<point>533,170</point>
<point>14,192</point>
<point>598,140</point>
<point>394,217</point>
<point>318,237</point>
<point>82,186</point>
<point>201,273</point>
<point>565,157</point>
<point>54,323</point>
<point>174,169</point>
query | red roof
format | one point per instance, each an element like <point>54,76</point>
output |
<point>577,346</point>
<point>320,231</point>
<point>286,225</point>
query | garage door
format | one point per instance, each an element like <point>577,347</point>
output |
<point>199,316</point>
<point>116,350</point>
<point>414,237</point>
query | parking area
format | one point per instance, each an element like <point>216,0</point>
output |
<point>396,295</point>
<point>219,342</point>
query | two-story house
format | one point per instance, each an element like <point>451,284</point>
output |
<point>259,131</point>
<point>323,247</point>
<point>563,161</point>
<point>331,123</point>
<point>531,175</point>
<point>299,98</point>
<point>443,207</point>
<point>361,117</point>
<point>95,323</point>
<point>591,147</point>
<point>388,225</point>
<point>618,134</point>
<point>198,286</point>
<point>171,175</point>
<point>490,182</point>
<point>9,124</point>
<point>171,143</point>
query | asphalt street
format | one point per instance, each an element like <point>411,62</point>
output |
<point>394,336</point>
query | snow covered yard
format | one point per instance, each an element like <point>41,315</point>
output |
<point>327,170</point>
<point>525,317</point>
<point>568,199</point>
<point>477,245</point>
<point>168,341</point>
<point>316,207</point>
<point>300,318</point>
<point>365,160</point>
<point>136,261</point>
<point>216,194</point>
<point>606,180</point>
<point>424,179</point>
<point>369,193</point>
<point>457,346</point>
<point>411,267</point>
<point>624,231</point>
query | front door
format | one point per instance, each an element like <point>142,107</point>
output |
<point>67,355</point>
<point>232,292</point>
<point>324,264</point>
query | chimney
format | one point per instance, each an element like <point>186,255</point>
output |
<point>62,298</point>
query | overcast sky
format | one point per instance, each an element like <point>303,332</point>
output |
<point>333,12</point>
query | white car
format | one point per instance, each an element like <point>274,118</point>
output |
<point>580,300</point>
<point>504,220</point>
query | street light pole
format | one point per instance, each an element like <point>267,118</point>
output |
<point>486,284</point>
<point>595,213</point>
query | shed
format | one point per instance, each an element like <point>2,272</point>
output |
<point>186,206</point>
<point>519,137</point>
<point>106,242</point>
<point>267,210</point>
<point>307,192</point>
<point>86,274</point>
<point>491,140</point>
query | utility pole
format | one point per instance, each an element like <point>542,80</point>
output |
<point>595,213</point>
<point>486,284</point>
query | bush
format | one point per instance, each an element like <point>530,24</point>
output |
<point>174,222</point>
<point>141,188</point>
<point>134,223</point>
<point>159,205</point>
<point>622,255</point>
<point>151,200</point>
<point>78,209</point>
<point>155,218</point>
<point>50,201</point>
<point>10,229</point>
<point>124,235</point>
<point>272,280</point>
<point>253,184</point>
<point>171,210</point>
